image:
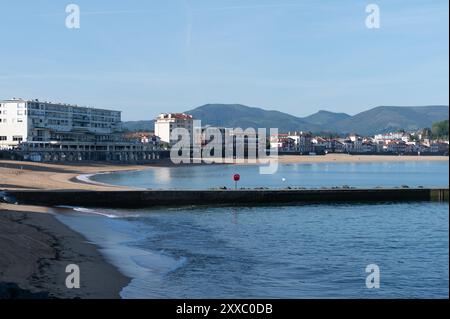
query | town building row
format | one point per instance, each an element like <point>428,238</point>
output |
<point>389,143</point>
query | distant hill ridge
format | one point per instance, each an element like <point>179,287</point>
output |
<point>380,119</point>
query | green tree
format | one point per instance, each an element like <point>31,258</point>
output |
<point>439,130</point>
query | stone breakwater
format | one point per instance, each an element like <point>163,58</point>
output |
<point>244,197</point>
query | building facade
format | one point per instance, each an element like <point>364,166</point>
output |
<point>283,142</point>
<point>165,123</point>
<point>298,142</point>
<point>36,121</point>
<point>55,132</point>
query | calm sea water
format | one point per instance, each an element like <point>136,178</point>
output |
<point>278,251</point>
<point>388,174</point>
<point>274,252</point>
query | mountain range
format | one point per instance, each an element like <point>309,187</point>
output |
<point>380,119</point>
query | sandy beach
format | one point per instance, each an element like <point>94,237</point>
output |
<point>35,249</point>
<point>333,158</point>
<point>29,175</point>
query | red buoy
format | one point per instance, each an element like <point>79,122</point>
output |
<point>236,178</point>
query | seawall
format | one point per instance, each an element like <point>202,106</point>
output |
<point>154,198</point>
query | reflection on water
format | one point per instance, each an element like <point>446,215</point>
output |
<point>387,174</point>
<point>163,175</point>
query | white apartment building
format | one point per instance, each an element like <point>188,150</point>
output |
<point>392,136</point>
<point>165,123</point>
<point>357,145</point>
<point>35,121</point>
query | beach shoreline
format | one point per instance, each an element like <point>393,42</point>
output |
<point>347,158</point>
<point>35,249</point>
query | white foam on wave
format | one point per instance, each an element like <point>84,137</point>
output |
<point>110,213</point>
<point>158,264</point>
<point>95,212</point>
<point>87,178</point>
<point>117,239</point>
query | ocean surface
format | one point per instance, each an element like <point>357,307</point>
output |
<point>307,251</point>
<point>373,174</point>
<point>275,252</point>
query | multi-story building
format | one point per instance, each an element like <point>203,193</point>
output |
<point>368,147</point>
<point>320,145</point>
<point>45,131</point>
<point>439,147</point>
<point>391,136</point>
<point>36,121</point>
<point>336,146</point>
<point>236,143</point>
<point>357,143</point>
<point>283,142</point>
<point>305,145</point>
<point>299,142</point>
<point>167,122</point>
<point>143,137</point>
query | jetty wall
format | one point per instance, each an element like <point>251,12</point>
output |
<point>155,198</point>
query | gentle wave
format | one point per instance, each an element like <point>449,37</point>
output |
<point>118,238</point>
<point>110,213</point>
<point>276,252</point>
<point>87,178</point>
<point>93,211</point>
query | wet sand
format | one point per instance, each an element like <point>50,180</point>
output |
<point>35,249</point>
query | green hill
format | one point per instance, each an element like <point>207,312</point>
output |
<point>326,118</point>
<point>237,115</point>
<point>390,118</point>
<point>377,120</point>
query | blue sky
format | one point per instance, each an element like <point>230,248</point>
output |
<point>147,57</point>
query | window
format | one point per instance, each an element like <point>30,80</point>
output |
<point>3,138</point>
<point>19,120</point>
<point>17,138</point>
